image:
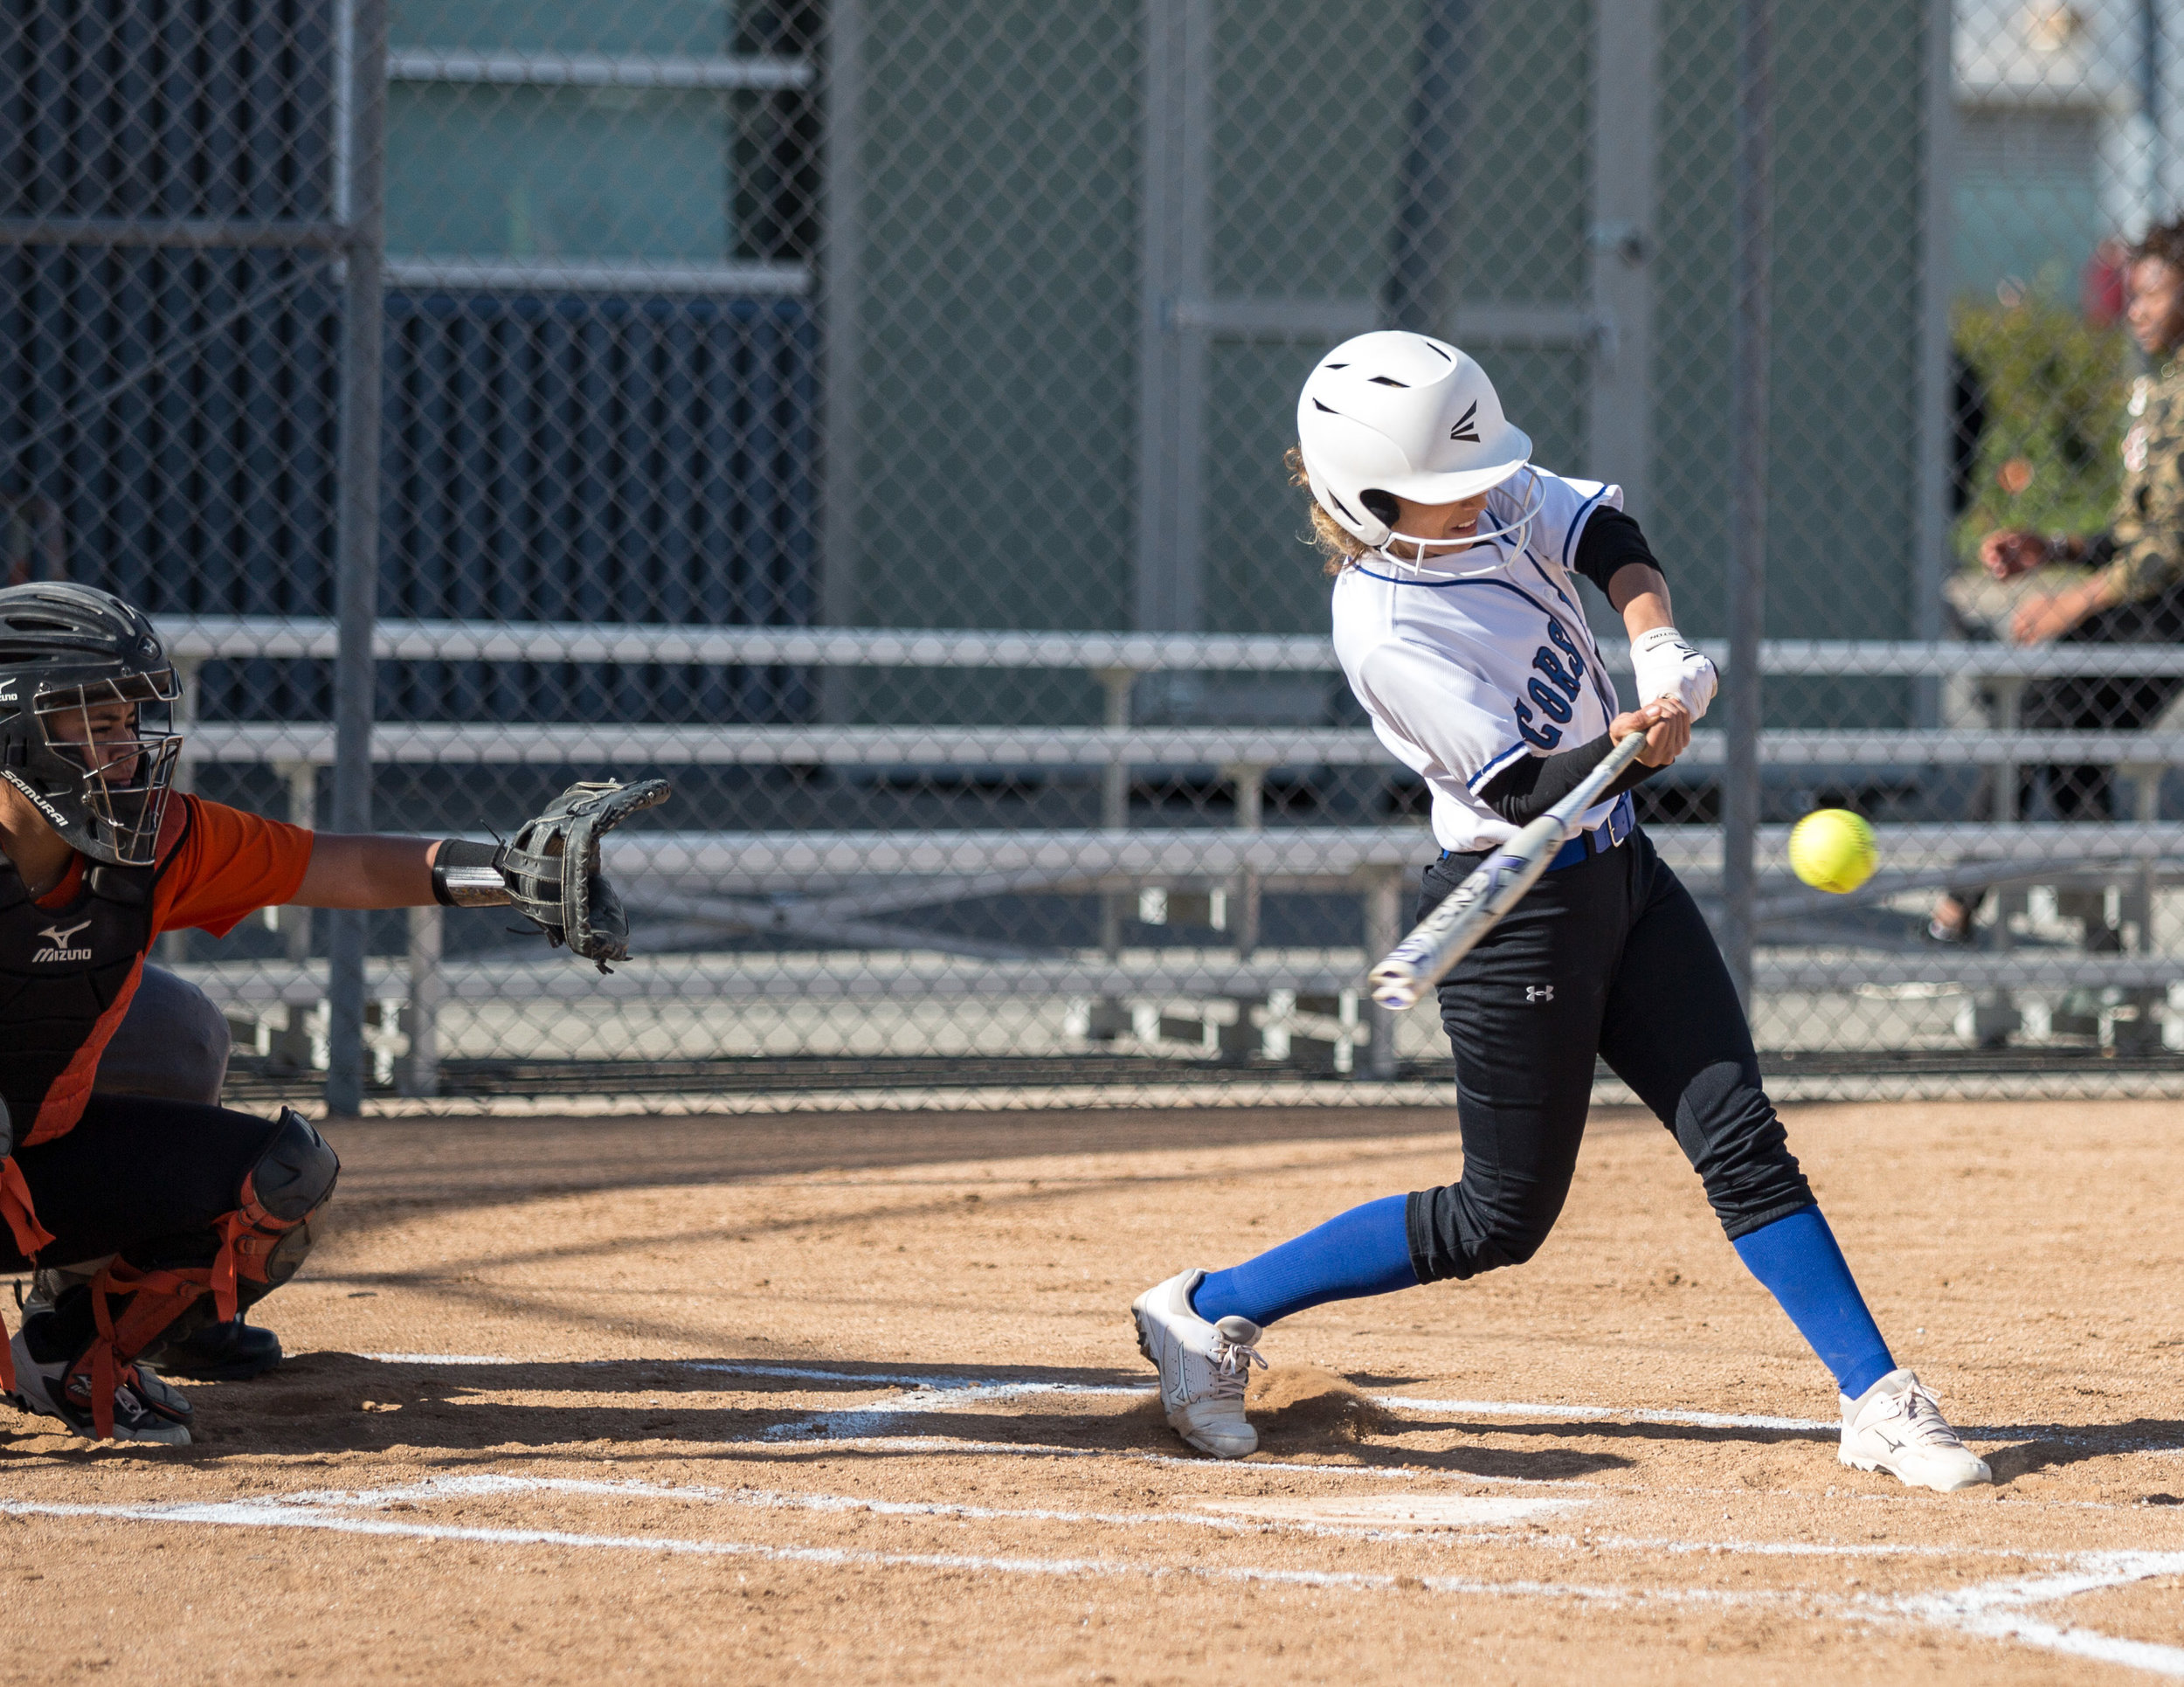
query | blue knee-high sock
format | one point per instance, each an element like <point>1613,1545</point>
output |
<point>1365,1251</point>
<point>1803,1269</point>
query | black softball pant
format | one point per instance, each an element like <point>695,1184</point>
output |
<point>147,1178</point>
<point>1609,956</point>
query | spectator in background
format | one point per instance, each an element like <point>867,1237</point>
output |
<point>2104,286</point>
<point>2135,592</point>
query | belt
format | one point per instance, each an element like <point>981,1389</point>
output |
<point>1602,838</point>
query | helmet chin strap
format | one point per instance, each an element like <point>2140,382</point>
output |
<point>1515,530</point>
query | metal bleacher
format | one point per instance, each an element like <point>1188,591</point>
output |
<point>835,895</point>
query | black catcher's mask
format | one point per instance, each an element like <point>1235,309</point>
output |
<point>87,717</point>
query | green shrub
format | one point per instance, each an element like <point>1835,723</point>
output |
<point>2056,389</point>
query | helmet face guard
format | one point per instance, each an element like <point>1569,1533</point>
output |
<point>98,759</point>
<point>1440,555</point>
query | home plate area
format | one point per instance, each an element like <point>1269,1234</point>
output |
<point>716,1426</point>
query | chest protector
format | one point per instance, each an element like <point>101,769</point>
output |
<point>65,978</point>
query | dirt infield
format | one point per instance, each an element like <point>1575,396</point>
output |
<point>856,1400</point>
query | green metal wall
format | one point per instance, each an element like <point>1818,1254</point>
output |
<point>1001,170</point>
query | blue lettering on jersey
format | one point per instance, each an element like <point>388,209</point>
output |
<point>1548,663</point>
<point>1556,705</point>
<point>1556,692</point>
<point>1556,632</point>
<point>1541,737</point>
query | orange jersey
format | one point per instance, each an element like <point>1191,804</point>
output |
<point>218,865</point>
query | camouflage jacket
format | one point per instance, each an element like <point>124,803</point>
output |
<point>2146,538</point>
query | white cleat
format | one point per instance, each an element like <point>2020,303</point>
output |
<point>1203,1366</point>
<point>1896,1425</point>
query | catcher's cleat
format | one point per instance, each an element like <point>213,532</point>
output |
<point>230,1351</point>
<point>162,1395</point>
<point>1896,1425</point>
<point>1203,1366</point>
<point>144,1408</point>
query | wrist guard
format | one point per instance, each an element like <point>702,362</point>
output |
<point>467,874</point>
<point>1667,666</point>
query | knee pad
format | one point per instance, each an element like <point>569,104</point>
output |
<point>263,1242</point>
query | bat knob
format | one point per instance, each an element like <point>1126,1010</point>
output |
<point>1397,991</point>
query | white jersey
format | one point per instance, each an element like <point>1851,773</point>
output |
<point>1464,671</point>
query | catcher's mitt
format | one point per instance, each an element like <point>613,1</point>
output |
<point>552,866</point>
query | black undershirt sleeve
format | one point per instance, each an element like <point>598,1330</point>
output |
<point>1610,540</point>
<point>1528,788</point>
<point>1531,786</point>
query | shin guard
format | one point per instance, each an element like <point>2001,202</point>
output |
<point>152,1301</point>
<point>264,1240</point>
<point>259,1246</point>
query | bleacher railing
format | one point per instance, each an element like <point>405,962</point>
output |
<point>830,902</point>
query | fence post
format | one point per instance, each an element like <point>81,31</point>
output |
<point>1748,497</point>
<point>174,946</point>
<point>1173,346</point>
<point>356,578</point>
<point>1937,389</point>
<point>1419,292</point>
<point>1383,931</point>
<point>1619,423</point>
<point>841,276</point>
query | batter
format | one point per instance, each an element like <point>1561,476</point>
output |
<point>1456,619</point>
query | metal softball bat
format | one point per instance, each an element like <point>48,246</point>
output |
<point>1497,884</point>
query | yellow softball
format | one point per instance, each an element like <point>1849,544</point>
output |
<point>1832,849</point>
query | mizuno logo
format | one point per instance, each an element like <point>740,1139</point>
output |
<point>1464,431</point>
<point>61,936</point>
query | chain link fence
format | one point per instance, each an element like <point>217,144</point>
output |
<point>869,414</point>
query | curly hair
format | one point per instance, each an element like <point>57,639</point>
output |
<point>1340,547</point>
<point>2164,243</point>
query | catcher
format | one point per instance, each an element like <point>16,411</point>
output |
<point>148,1219</point>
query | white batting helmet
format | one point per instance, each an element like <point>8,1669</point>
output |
<point>1396,415</point>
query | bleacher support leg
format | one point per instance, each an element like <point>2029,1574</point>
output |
<point>1383,931</point>
<point>419,1072</point>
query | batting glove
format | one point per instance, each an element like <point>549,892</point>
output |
<point>1668,666</point>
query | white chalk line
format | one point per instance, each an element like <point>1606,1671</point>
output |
<point>1983,1611</point>
<point>1505,1408</point>
<point>1992,1610</point>
<point>994,1387</point>
<point>852,1422</point>
<point>1790,1548</point>
<point>926,1392</point>
<point>1198,1464</point>
<point>921,1397</point>
<point>486,1485</point>
<point>264,1514</point>
<point>441,1488</point>
<point>911,1379</point>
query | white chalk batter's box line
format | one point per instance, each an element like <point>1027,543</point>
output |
<point>849,1431</point>
<point>1452,1520</point>
<point>1997,1610</point>
<point>928,1390</point>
